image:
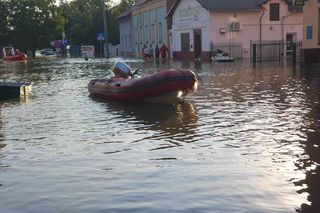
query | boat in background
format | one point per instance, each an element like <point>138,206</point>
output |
<point>11,54</point>
<point>166,87</point>
<point>221,56</point>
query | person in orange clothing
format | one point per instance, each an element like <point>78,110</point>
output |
<point>164,51</point>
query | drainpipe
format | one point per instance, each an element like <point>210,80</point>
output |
<point>260,26</point>
<point>260,32</point>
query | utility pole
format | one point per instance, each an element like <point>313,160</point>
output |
<point>105,29</point>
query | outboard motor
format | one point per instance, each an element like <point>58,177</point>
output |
<point>121,70</point>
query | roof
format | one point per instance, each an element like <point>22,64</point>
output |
<point>140,3</point>
<point>225,5</point>
<point>231,5</point>
<point>124,15</point>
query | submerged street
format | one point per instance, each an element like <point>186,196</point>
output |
<point>246,141</point>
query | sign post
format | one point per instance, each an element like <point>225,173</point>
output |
<point>101,37</point>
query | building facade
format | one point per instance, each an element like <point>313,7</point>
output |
<point>199,26</point>
<point>149,24</point>
<point>126,34</point>
<point>311,32</point>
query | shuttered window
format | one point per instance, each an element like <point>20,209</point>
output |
<point>274,12</point>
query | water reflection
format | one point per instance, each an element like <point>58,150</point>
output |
<point>175,123</point>
<point>2,145</point>
<point>309,161</point>
<point>248,137</point>
<point>15,66</point>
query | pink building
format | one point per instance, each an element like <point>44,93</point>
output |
<point>198,26</point>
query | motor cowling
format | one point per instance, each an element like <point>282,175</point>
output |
<point>121,70</point>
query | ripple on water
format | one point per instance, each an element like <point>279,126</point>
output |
<point>247,140</point>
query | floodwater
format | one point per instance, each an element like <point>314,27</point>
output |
<point>246,141</point>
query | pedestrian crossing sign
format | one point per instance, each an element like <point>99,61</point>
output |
<point>101,36</point>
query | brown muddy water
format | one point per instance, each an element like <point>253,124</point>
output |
<point>246,141</point>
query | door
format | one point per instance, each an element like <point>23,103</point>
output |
<point>197,43</point>
<point>185,42</point>
<point>289,40</point>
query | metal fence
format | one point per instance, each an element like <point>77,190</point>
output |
<point>233,49</point>
<point>274,51</point>
<point>267,50</point>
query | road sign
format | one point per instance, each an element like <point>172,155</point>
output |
<point>101,36</point>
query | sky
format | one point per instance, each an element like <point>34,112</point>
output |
<point>114,1</point>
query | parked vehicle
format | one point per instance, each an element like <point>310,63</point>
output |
<point>87,51</point>
<point>47,52</point>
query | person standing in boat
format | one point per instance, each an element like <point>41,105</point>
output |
<point>163,51</point>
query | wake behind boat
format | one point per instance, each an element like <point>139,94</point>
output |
<point>163,87</point>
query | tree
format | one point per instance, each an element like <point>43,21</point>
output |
<point>4,26</point>
<point>114,12</point>
<point>34,23</point>
<point>83,20</point>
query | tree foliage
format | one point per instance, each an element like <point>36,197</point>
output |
<point>32,24</point>
<point>4,26</point>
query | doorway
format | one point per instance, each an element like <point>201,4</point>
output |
<point>290,38</point>
<point>185,42</point>
<point>197,43</point>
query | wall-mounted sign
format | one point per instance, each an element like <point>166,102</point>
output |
<point>190,14</point>
<point>223,30</point>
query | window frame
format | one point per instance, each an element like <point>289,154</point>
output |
<point>274,12</point>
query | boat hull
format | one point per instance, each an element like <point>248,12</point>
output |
<point>19,57</point>
<point>166,86</point>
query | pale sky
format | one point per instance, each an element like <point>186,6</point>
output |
<point>114,1</point>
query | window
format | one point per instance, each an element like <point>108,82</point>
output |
<point>160,32</point>
<point>146,33</point>
<point>274,12</point>
<point>126,41</point>
<point>152,33</point>
<point>309,32</point>
<point>141,34</point>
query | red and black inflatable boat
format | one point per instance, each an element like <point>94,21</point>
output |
<point>162,87</point>
<point>17,57</point>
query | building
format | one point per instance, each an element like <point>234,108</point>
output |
<point>150,25</point>
<point>199,26</point>
<point>126,34</point>
<point>311,32</point>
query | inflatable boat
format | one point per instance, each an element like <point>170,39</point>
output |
<point>162,87</point>
<point>18,57</point>
<point>11,54</point>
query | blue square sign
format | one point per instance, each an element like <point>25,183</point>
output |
<point>101,36</point>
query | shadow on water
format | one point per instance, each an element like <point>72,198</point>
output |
<point>2,145</point>
<point>309,161</point>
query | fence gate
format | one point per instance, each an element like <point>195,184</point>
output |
<point>275,51</point>
<point>266,51</point>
